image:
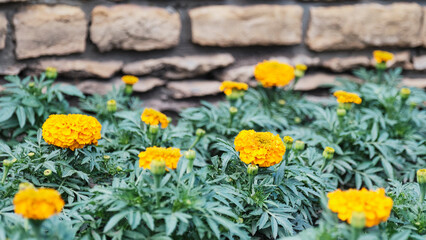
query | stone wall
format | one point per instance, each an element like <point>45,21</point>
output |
<point>181,50</point>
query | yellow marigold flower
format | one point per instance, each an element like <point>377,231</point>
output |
<point>347,97</point>
<point>129,79</point>
<point>374,204</point>
<point>261,148</point>
<point>38,204</point>
<point>228,86</point>
<point>71,131</point>
<point>382,56</point>
<point>301,67</point>
<point>154,117</point>
<point>273,73</point>
<point>169,155</point>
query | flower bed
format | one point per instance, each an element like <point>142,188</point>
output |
<point>265,164</point>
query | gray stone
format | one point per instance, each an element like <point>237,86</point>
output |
<point>102,88</point>
<point>81,68</point>
<point>238,74</point>
<point>347,63</point>
<point>314,81</point>
<point>419,63</point>
<point>414,82</point>
<point>49,30</point>
<point>225,25</point>
<point>13,69</point>
<point>3,30</point>
<point>363,25</point>
<point>134,27</point>
<point>193,88</point>
<point>180,67</point>
<point>6,1</point>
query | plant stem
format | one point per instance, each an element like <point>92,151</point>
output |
<point>251,180</point>
<point>157,181</point>
<point>355,233</point>
<point>190,166</point>
<point>195,142</point>
<point>5,172</point>
<point>323,165</point>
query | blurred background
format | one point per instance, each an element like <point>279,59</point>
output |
<point>182,50</point>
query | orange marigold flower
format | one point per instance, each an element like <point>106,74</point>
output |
<point>154,117</point>
<point>129,79</point>
<point>382,56</point>
<point>273,73</point>
<point>347,97</point>
<point>71,131</point>
<point>261,148</point>
<point>38,204</point>
<point>228,86</point>
<point>374,204</point>
<point>169,155</point>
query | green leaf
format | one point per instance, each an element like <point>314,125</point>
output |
<point>147,218</point>
<point>114,220</point>
<point>171,222</point>
<point>20,113</point>
<point>404,235</point>
<point>6,113</point>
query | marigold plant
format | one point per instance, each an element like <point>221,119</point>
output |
<point>228,86</point>
<point>273,73</point>
<point>382,56</point>
<point>169,155</point>
<point>374,204</point>
<point>129,79</point>
<point>38,204</point>
<point>71,131</point>
<point>261,148</point>
<point>154,117</point>
<point>347,97</point>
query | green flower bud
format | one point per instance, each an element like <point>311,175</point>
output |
<point>153,129</point>
<point>288,142</point>
<point>235,95</point>
<point>299,145</point>
<point>25,185</point>
<point>421,176</point>
<point>233,110</point>
<point>158,167</point>
<point>112,106</point>
<point>297,120</point>
<point>299,73</point>
<point>328,153</point>
<point>240,220</point>
<point>31,154</point>
<point>51,73</point>
<point>128,89</point>
<point>190,155</point>
<point>346,106</point>
<point>281,102</point>
<point>200,132</point>
<point>169,119</point>
<point>31,84</point>
<point>341,112</point>
<point>47,172</point>
<point>119,168</point>
<point>7,163</point>
<point>381,66</point>
<point>404,93</point>
<point>358,220</point>
<point>252,169</point>
<point>106,157</point>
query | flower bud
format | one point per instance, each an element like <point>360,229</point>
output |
<point>346,106</point>
<point>341,112</point>
<point>358,220</point>
<point>300,70</point>
<point>281,102</point>
<point>240,220</point>
<point>233,110</point>
<point>404,93</point>
<point>297,120</point>
<point>421,176</point>
<point>190,155</point>
<point>119,168</point>
<point>51,73</point>
<point>235,95</point>
<point>25,185</point>
<point>381,66</point>
<point>158,167</point>
<point>47,172</point>
<point>7,163</point>
<point>169,119</point>
<point>112,106</point>
<point>252,169</point>
<point>31,154</point>
<point>31,84</point>
<point>153,129</point>
<point>200,132</point>
<point>128,89</point>
<point>288,142</point>
<point>299,145</point>
<point>328,153</point>
<point>106,157</point>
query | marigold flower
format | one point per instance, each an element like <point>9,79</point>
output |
<point>228,86</point>
<point>38,204</point>
<point>169,155</point>
<point>374,204</point>
<point>347,97</point>
<point>261,148</point>
<point>129,79</point>
<point>382,56</point>
<point>301,67</point>
<point>71,131</point>
<point>273,73</point>
<point>154,117</point>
